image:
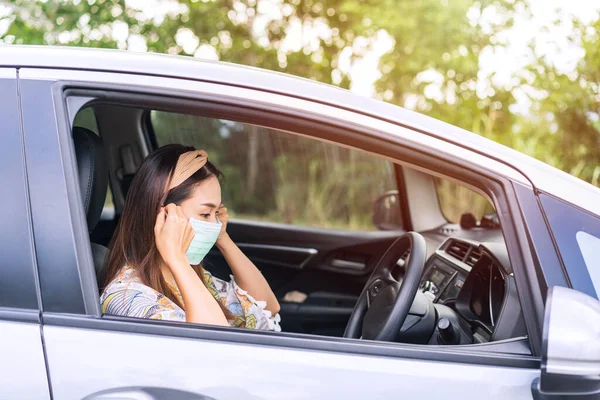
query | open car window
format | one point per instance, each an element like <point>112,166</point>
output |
<point>304,212</point>
<point>275,176</point>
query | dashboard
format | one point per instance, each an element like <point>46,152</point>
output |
<point>475,280</point>
<point>447,270</point>
<point>487,294</point>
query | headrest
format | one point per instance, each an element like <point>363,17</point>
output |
<point>93,173</point>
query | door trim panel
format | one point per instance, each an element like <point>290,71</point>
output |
<point>309,253</point>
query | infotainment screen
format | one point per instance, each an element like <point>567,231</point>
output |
<point>437,277</point>
<point>436,281</point>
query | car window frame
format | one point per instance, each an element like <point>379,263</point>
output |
<point>498,186</point>
<point>178,104</point>
<point>177,108</point>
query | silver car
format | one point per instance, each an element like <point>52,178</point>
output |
<point>341,201</point>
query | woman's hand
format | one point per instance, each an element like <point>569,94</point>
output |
<point>245,272</point>
<point>223,218</point>
<point>173,235</point>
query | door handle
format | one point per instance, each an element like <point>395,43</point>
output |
<point>145,393</point>
<point>345,264</point>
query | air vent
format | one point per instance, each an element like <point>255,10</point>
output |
<point>458,249</point>
<point>473,257</point>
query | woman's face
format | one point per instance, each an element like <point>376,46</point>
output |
<point>204,201</point>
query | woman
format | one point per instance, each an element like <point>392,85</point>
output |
<point>172,217</point>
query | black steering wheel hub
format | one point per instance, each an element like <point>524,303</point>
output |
<point>374,289</point>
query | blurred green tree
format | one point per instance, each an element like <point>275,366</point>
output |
<point>431,63</point>
<point>565,121</point>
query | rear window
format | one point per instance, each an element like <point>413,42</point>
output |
<point>577,234</point>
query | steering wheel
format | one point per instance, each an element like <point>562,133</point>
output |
<point>385,302</point>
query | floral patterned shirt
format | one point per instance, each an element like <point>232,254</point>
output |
<point>127,296</point>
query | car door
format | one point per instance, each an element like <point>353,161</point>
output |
<point>94,355</point>
<point>23,367</point>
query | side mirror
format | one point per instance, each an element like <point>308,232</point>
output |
<point>386,211</point>
<point>571,346</point>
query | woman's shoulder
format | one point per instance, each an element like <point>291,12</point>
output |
<point>126,274</point>
<point>126,295</point>
<point>126,282</point>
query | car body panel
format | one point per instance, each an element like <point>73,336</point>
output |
<point>543,176</point>
<point>23,367</point>
<point>229,371</point>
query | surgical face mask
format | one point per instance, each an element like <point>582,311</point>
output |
<point>205,238</point>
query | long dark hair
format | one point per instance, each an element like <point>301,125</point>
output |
<point>133,243</point>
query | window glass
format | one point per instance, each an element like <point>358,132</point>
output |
<point>577,234</point>
<point>589,246</point>
<point>456,200</point>
<point>276,176</point>
<point>86,118</point>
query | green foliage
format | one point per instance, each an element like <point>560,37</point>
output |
<point>336,189</point>
<point>568,114</point>
<point>432,67</point>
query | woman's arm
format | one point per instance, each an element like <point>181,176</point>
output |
<point>200,306</point>
<point>245,272</point>
<point>173,234</point>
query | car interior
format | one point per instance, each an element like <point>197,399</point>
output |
<point>352,244</point>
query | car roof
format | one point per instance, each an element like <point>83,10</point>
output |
<point>543,176</point>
